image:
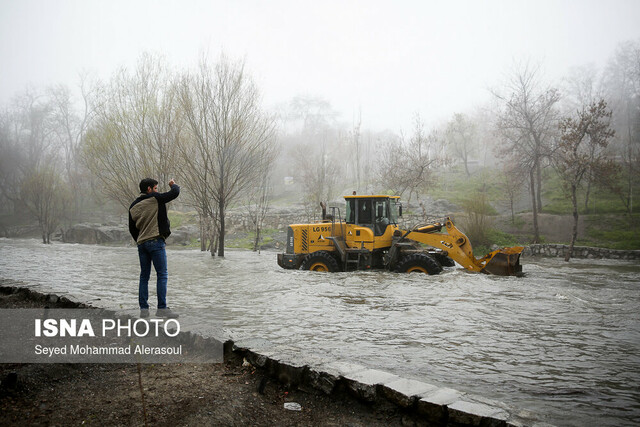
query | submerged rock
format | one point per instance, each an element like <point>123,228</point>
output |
<point>92,234</point>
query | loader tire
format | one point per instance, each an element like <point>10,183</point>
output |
<point>419,263</point>
<point>320,261</point>
<point>444,260</point>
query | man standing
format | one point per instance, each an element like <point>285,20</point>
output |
<point>149,227</point>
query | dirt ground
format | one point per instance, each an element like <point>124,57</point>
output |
<point>225,394</point>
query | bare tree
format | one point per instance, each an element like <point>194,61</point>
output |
<point>28,140</point>
<point>461,133</point>
<point>322,153</point>
<point>356,140</point>
<point>391,171</point>
<point>33,131</point>
<point>581,152</point>
<point>195,173</point>
<point>319,172</point>
<point>527,122</point>
<point>135,131</point>
<point>70,127</point>
<point>513,179</point>
<point>407,167</point>
<point>12,161</point>
<point>221,105</point>
<point>314,114</point>
<point>419,158</point>
<point>583,86</point>
<point>258,204</point>
<point>45,196</point>
<point>622,81</point>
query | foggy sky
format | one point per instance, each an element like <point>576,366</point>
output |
<point>387,59</point>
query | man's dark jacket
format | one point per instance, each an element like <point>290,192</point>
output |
<point>148,215</point>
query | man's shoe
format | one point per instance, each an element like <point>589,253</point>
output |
<point>166,312</point>
<point>144,313</point>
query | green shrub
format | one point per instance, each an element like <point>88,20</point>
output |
<point>502,239</point>
<point>519,222</point>
<point>476,223</point>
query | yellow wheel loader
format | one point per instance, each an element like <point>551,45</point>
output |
<point>369,238</point>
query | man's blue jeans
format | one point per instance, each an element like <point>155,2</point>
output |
<point>152,251</point>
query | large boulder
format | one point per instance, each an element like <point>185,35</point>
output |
<point>91,234</point>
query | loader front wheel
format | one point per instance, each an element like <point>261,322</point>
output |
<point>419,263</point>
<point>320,261</point>
<point>444,260</point>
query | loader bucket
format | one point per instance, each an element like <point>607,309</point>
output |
<point>504,262</point>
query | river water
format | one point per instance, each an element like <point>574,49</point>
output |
<point>562,342</point>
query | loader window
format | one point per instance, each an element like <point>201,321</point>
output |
<point>365,212</point>
<point>351,211</point>
<point>395,211</point>
<point>382,217</point>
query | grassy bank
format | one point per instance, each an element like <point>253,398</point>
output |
<point>482,196</point>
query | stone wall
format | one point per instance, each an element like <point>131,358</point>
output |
<point>557,250</point>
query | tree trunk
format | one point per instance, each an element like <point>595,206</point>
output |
<point>539,186</point>
<point>586,198</point>
<point>630,155</point>
<point>221,231</point>
<point>43,231</point>
<point>574,233</point>
<point>203,232</point>
<point>466,166</point>
<point>213,237</point>
<point>213,243</point>
<point>630,186</point>
<point>536,232</point>
<point>513,214</point>
<point>256,242</point>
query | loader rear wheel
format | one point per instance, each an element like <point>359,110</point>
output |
<point>419,263</point>
<point>320,261</point>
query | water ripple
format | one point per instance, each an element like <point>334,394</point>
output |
<point>564,341</point>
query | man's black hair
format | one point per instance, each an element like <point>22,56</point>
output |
<point>147,182</point>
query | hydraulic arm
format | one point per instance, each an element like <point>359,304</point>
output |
<point>503,262</point>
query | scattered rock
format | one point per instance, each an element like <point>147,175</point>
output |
<point>292,406</point>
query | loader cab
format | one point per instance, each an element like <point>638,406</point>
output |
<point>375,212</point>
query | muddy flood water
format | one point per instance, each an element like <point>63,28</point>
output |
<point>562,342</point>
